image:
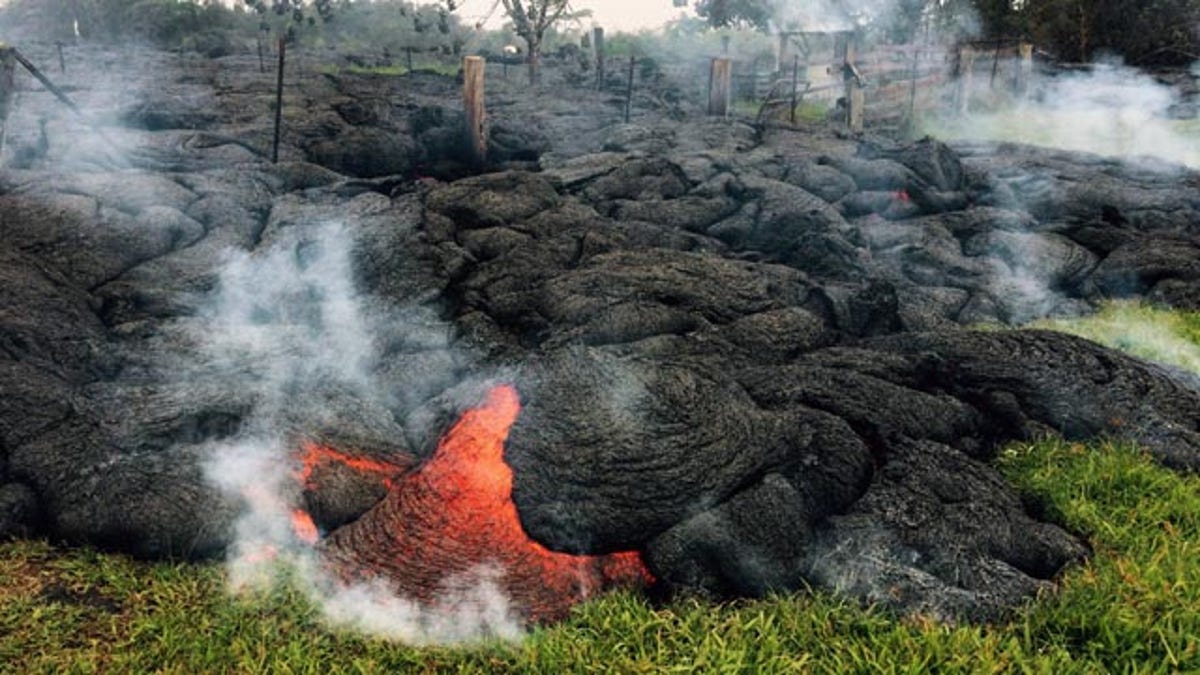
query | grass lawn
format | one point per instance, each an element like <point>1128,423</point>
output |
<point>394,70</point>
<point>1133,607</point>
<point>1167,336</point>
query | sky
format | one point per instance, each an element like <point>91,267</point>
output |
<point>613,15</point>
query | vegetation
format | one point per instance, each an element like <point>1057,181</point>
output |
<point>379,27</point>
<point>531,19</point>
<point>1166,336</point>
<point>1156,33</point>
<point>1135,606</point>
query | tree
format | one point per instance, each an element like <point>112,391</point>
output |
<point>531,19</point>
<point>1154,33</point>
<point>896,21</point>
<point>736,13</point>
<point>299,11</point>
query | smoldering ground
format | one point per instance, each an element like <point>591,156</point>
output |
<point>301,336</point>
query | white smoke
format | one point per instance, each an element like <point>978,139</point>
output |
<point>88,137</point>
<point>1112,110</point>
<point>1158,335</point>
<point>818,16</point>
<point>290,321</point>
<point>292,315</point>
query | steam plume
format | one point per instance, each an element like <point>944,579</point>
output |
<point>291,321</point>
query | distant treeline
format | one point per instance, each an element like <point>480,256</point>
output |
<point>213,28</point>
<point>1143,32</point>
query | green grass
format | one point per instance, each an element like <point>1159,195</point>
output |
<point>806,112</point>
<point>1134,607</point>
<point>394,70</point>
<point>1156,334</point>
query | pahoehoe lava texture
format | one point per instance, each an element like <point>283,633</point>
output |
<point>739,351</point>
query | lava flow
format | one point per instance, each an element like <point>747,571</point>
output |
<point>315,455</point>
<point>453,516</point>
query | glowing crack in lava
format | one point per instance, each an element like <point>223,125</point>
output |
<point>453,516</point>
<point>315,455</point>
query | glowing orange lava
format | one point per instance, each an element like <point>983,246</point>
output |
<point>314,455</point>
<point>304,527</point>
<point>454,515</point>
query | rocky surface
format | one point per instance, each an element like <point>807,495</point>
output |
<point>739,351</point>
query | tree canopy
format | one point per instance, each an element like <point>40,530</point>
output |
<point>1153,33</point>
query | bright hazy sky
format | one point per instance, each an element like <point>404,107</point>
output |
<point>613,15</point>
<point>628,15</point>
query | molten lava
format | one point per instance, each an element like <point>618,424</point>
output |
<point>454,516</point>
<point>304,527</point>
<point>315,455</point>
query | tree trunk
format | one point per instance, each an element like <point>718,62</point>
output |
<point>534,60</point>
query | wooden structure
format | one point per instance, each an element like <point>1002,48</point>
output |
<point>855,97</point>
<point>473,106</point>
<point>278,99</point>
<point>1008,64</point>
<point>720,89</point>
<point>8,89</point>
<point>598,47</point>
<point>885,87</point>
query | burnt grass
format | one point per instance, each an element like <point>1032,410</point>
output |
<point>742,351</point>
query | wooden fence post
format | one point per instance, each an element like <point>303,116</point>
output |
<point>720,87</point>
<point>629,89</point>
<point>476,114</point>
<point>278,100</point>
<point>856,98</point>
<point>966,71</point>
<point>995,63</point>
<point>910,123</point>
<point>1024,68</point>
<point>795,86</point>
<point>598,47</point>
<point>8,89</point>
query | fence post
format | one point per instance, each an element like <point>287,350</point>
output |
<point>62,61</point>
<point>476,115</point>
<point>598,47</point>
<point>856,98</point>
<point>966,71</point>
<point>1024,68</point>
<point>629,89</point>
<point>795,85</point>
<point>278,100</point>
<point>995,64</point>
<point>8,90</point>
<point>911,123</point>
<point>719,87</point>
